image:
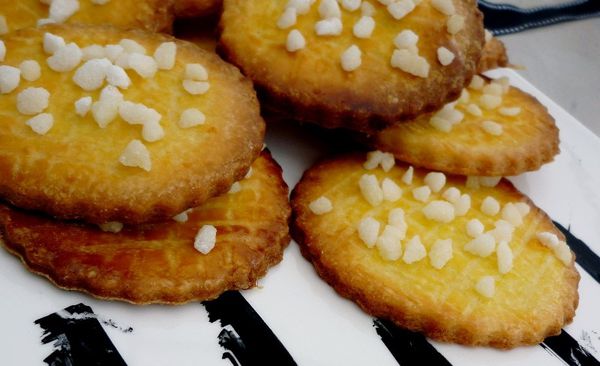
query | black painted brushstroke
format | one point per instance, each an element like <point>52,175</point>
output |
<point>569,350</point>
<point>564,346</point>
<point>584,256</point>
<point>251,342</point>
<point>408,348</point>
<point>78,342</point>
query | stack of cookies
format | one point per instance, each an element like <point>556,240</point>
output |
<point>132,163</point>
<point>424,230</point>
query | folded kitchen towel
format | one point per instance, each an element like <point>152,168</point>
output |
<point>510,16</point>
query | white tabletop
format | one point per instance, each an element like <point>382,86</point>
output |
<point>563,61</point>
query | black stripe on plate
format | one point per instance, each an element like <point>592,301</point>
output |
<point>246,338</point>
<point>563,346</point>
<point>408,348</point>
<point>566,348</point>
<point>585,257</point>
<point>79,339</point>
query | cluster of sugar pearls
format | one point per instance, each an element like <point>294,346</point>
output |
<point>483,243</point>
<point>60,11</point>
<point>139,114</point>
<point>374,193</point>
<point>30,101</point>
<point>496,240</point>
<point>378,158</point>
<point>406,55</point>
<point>444,119</point>
<point>447,117</point>
<point>98,68</point>
<point>295,39</point>
<point>196,79</point>
<point>559,247</point>
<point>330,24</point>
<point>491,99</point>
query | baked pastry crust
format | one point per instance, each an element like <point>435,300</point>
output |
<point>196,8</point>
<point>529,139</point>
<point>493,56</point>
<point>73,172</point>
<point>158,263</point>
<point>151,15</point>
<point>532,301</point>
<point>311,86</point>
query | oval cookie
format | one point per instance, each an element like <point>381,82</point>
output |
<point>492,130</point>
<point>152,15</point>
<point>158,263</point>
<point>403,256</point>
<point>166,139</point>
<point>361,69</point>
<point>493,56</point>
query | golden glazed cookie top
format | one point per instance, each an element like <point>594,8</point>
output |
<point>493,129</point>
<point>471,262</point>
<point>161,128</point>
<point>152,15</point>
<point>358,67</point>
<point>170,262</point>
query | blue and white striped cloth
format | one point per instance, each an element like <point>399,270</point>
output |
<point>511,16</point>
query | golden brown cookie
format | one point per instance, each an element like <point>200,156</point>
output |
<point>468,138</point>
<point>152,15</point>
<point>158,263</point>
<point>196,8</point>
<point>168,143</point>
<point>491,283</point>
<point>348,80</point>
<point>493,56</point>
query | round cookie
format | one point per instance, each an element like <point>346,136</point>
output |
<point>158,263</point>
<point>144,156</point>
<point>423,271</point>
<point>152,15</point>
<point>303,76</point>
<point>460,139</point>
<point>493,56</point>
<point>196,8</point>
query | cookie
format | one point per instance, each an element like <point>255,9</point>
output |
<point>196,8</point>
<point>493,56</point>
<point>493,130</point>
<point>360,69</point>
<point>135,141</point>
<point>476,266</point>
<point>152,15</point>
<point>157,263</point>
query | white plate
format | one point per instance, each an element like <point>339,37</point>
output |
<point>314,324</point>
